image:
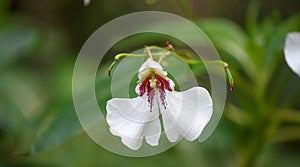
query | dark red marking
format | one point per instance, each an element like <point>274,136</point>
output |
<point>162,84</point>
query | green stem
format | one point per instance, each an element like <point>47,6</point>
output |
<point>278,86</point>
<point>251,17</point>
<point>193,61</point>
<point>165,52</point>
<point>121,55</point>
<point>149,52</point>
<point>118,56</point>
<point>251,152</point>
<point>259,137</point>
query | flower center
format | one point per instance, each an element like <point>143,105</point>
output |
<point>155,83</point>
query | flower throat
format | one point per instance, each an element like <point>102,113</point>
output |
<point>150,84</point>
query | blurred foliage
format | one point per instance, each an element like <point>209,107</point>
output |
<point>39,42</point>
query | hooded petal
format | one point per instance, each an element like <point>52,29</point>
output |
<point>292,51</point>
<point>149,66</point>
<point>131,120</point>
<point>187,113</point>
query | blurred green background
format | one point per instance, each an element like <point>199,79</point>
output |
<point>39,43</point>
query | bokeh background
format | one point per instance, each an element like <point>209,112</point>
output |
<point>39,43</point>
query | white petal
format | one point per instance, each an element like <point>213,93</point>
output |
<point>187,113</point>
<point>292,51</point>
<point>137,89</point>
<point>149,65</point>
<point>131,120</point>
<point>86,2</point>
<point>172,84</point>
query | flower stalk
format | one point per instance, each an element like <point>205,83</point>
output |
<point>169,50</point>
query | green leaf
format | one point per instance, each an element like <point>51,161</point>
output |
<point>63,126</point>
<point>15,42</point>
<point>60,123</point>
<point>285,134</point>
<point>238,116</point>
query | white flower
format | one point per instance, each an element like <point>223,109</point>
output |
<point>86,2</point>
<point>292,51</point>
<point>183,113</point>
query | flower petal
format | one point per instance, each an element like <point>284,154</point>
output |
<point>131,120</point>
<point>86,2</point>
<point>292,51</point>
<point>149,65</point>
<point>187,113</point>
